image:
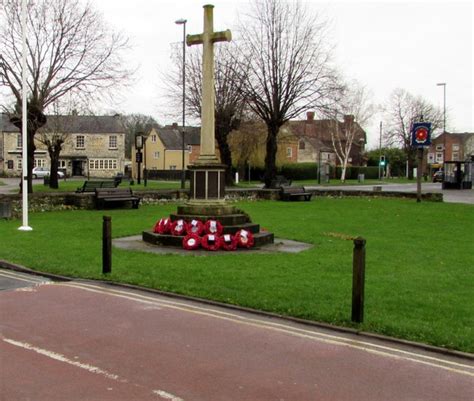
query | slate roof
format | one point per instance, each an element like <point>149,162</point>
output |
<point>170,135</point>
<point>73,124</point>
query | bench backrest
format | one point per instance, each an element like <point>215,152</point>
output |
<point>90,186</point>
<point>293,190</point>
<point>113,192</point>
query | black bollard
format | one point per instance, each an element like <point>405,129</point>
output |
<point>107,245</point>
<point>358,280</point>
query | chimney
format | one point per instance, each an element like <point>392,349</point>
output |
<point>310,116</point>
<point>348,119</point>
<point>175,126</point>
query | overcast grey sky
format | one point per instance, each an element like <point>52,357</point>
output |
<point>384,44</point>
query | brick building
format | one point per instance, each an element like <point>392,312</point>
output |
<point>450,147</point>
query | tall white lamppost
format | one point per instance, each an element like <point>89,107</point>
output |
<point>443,84</point>
<point>24,121</point>
<point>183,171</point>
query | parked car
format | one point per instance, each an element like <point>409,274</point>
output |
<point>40,172</point>
<point>438,176</point>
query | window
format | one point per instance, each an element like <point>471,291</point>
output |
<point>156,155</point>
<point>80,143</point>
<point>302,145</point>
<point>102,164</point>
<point>113,141</point>
<point>10,164</point>
<point>190,148</point>
<point>19,164</point>
<point>39,163</point>
<point>62,163</point>
<point>455,156</point>
<point>439,157</point>
<point>439,148</point>
<point>173,167</point>
<point>19,141</point>
<point>431,158</point>
<point>455,147</point>
<point>289,152</point>
<point>153,139</point>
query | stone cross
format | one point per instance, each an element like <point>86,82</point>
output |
<point>207,39</point>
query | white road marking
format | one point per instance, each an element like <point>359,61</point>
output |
<point>365,346</point>
<point>166,396</point>
<point>16,276</point>
<point>62,358</point>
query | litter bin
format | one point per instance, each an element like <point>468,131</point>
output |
<point>361,177</point>
<point>46,180</point>
<point>5,210</point>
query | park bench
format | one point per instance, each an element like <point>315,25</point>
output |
<point>288,193</point>
<point>91,186</point>
<point>279,181</point>
<point>104,196</point>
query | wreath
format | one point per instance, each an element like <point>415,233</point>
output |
<point>191,242</point>
<point>178,227</point>
<point>244,239</point>
<point>195,227</point>
<point>213,227</point>
<point>162,226</point>
<point>211,242</point>
<point>229,242</point>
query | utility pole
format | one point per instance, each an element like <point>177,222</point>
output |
<point>380,150</point>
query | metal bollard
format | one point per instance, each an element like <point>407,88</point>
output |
<point>107,245</point>
<point>358,280</point>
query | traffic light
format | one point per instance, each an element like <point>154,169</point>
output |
<point>382,161</point>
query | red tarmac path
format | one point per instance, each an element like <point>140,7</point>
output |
<point>86,341</point>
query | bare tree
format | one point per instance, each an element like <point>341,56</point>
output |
<point>401,111</point>
<point>69,51</point>
<point>229,100</point>
<point>356,108</point>
<point>133,123</point>
<point>288,67</point>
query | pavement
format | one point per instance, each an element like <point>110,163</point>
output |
<point>450,196</point>
<point>82,340</point>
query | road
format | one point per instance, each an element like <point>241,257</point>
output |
<point>88,341</point>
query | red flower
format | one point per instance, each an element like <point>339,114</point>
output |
<point>162,226</point>
<point>211,242</point>
<point>191,242</point>
<point>229,242</point>
<point>178,227</point>
<point>195,227</point>
<point>213,227</point>
<point>244,239</point>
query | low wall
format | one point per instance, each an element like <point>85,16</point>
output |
<point>47,201</point>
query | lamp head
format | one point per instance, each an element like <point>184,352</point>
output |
<point>180,21</point>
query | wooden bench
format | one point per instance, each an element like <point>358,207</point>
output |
<point>280,181</point>
<point>288,193</point>
<point>91,186</point>
<point>104,196</point>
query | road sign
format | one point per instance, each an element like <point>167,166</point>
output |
<point>421,135</point>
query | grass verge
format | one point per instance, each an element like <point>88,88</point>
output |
<point>419,275</point>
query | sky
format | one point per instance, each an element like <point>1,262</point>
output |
<point>383,44</point>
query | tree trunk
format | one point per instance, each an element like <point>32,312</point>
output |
<point>30,139</point>
<point>54,151</point>
<point>270,156</point>
<point>226,155</point>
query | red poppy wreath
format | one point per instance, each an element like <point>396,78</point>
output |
<point>191,242</point>
<point>178,227</point>
<point>211,242</point>
<point>229,242</point>
<point>244,239</point>
<point>195,227</point>
<point>162,226</point>
<point>213,227</point>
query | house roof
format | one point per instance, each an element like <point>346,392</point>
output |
<point>73,124</point>
<point>170,136</point>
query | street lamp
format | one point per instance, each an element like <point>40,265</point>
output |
<point>183,172</point>
<point>138,156</point>
<point>443,84</point>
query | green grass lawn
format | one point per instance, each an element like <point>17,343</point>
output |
<point>419,276</point>
<point>72,185</point>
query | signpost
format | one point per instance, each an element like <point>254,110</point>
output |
<point>420,137</point>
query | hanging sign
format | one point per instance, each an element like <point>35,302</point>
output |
<point>421,135</point>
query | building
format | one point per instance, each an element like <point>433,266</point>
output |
<point>450,147</point>
<point>94,146</point>
<point>163,148</point>
<point>315,142</point>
